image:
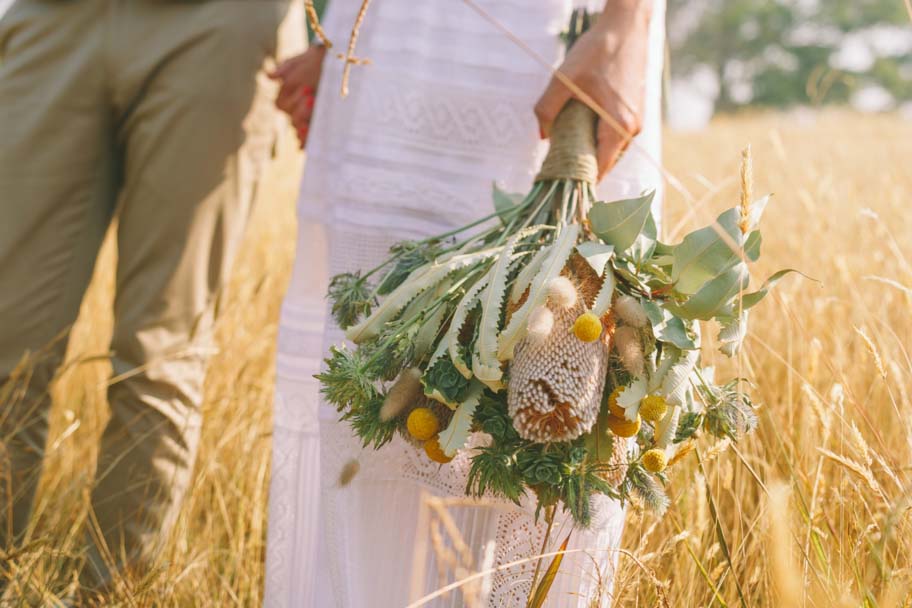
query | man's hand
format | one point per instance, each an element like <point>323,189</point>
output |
<point>300,77</point>
<point>608,63</point>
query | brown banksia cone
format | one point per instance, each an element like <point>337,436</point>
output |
<point>556,384</point>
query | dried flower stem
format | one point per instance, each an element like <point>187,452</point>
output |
<point>349,56</point>
<point>869,343</point>
<point>314,20</point>
<point>747,183</point>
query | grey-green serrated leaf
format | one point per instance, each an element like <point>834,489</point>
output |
<point>677,380</point>
<point>597,254</point>
<point>420,279</point>
<point>550,268</point>
<point>485,364</point>
<point>454,437</point>
<point>732,333</point>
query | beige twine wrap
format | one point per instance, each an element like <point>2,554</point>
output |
<point>572,152</point>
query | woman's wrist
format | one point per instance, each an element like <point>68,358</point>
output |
<point>624,14</point>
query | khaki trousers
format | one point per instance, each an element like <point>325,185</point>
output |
<point>154,112</point>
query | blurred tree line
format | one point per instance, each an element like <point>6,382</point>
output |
<point>789,52</point>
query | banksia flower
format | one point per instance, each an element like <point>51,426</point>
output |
<point>422,424</point>
<point>541,321</point>
<point>562,292</point>
<point>435,452</point>
<point>653,408</point>
<point>587,327</point>
<point>622,427</point>
<point>630,311</point>
<point>556,386</point>
<point>654,460</point>
<point>629,349</point>
<point>404,392</point>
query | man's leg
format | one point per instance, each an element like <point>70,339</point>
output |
<point>57,189</point>
<point>196,123</point>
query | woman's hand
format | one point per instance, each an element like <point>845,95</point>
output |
<point>608,63</point>
<point>299,77</point>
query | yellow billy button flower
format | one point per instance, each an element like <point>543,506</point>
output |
<point>587,327</point>
<point>653,408</point>
<point>623,427</point>
<point>613,408</point>
<point>422,424</point>
<point>435,452</point>
<point>654,460</point>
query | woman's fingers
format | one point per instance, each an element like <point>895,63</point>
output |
<point>613,138</point>
<point>299,75</point>
<point>549,104</point>
<point>301,114</point>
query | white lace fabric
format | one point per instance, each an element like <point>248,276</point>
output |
<point>443,110</point>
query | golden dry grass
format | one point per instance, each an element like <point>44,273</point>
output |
<point>814,509</point>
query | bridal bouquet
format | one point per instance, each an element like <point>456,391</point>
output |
<point>553,330</point>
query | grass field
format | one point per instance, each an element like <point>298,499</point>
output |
<point>814,509</point>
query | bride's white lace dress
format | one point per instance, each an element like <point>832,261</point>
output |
<point>444,109</point>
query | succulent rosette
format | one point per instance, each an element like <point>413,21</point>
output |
<point>559,326</point>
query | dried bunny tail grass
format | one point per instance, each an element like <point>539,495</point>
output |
<point>405,391</point>
<point>349,56</point>
<point>348,472</point>
<point>629,310</point>
<point>629,349</point>
<point>541,322</point>
<point>562,292</point>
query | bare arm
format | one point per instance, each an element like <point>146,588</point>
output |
<point>608,63</point>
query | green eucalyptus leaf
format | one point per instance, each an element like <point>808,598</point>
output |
<point>620,222</point>
<point>715,297</point>
<point>625,269</point>
<point>661,250</point>
<point>704,254</point>
<point>505,203</point>
<point>752,246</point>
<point>752,299</point>
<point>644,245</point>
<point>597,254</point>
<point>668,328</point>
<point>756,211</point>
